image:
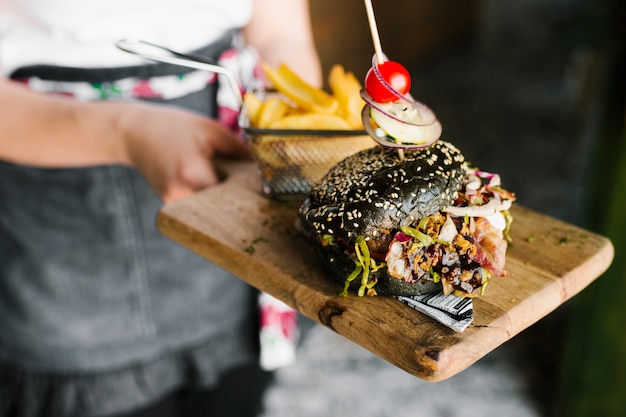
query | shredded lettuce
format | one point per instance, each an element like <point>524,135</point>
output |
<point>364,265</point>
<point>326,240</point>
<point>486,276</point>
<point>357,271</point>
<point>363,255</point>
<point>423,238</point>
<point>435,275</point>
<point>508,218</point>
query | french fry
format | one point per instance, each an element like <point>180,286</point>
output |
<point>315,121</point>
<point>347,89</point>
<point>269,154</point>
<point>272,110</point>
<point>253,107</point>
<point>300,92</point>
<point>315,109</point>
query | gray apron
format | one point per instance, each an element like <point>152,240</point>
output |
<point>90,288</point>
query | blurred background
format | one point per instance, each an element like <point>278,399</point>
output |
<point>533,90</point>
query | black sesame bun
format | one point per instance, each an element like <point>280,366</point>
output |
<point>368,197</point>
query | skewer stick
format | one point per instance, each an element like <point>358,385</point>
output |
<point>377,47</point>
<point>374,30</point>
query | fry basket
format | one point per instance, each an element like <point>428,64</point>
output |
<point>291,161</point>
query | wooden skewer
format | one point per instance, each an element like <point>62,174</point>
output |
<point>377,46</point>
<point>374,30</point>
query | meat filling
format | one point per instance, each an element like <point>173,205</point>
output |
<point>460,252</point>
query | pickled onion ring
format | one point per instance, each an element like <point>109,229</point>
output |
<point>415,127</point>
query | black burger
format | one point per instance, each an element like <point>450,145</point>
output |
<point>410,222</point>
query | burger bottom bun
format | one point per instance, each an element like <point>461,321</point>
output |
<point>339,265</point>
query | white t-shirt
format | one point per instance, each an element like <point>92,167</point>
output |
<point>82,33</point>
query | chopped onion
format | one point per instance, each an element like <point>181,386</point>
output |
<point>473,182</point>
<point>492,207</point>
<point>497,220</point>
<point>448,231</point>
<point>494,179</point>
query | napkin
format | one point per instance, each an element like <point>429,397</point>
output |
<point>454,312</point>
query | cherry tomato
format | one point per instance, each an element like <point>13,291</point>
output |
<point>394,74</point>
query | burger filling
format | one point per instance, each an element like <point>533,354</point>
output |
<point>461,246</point>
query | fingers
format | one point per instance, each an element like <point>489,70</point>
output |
<point>193,174</point>
<point>175,193</point>
<point>180,167</point>
<point>198,173</point>
<point>222,141</point>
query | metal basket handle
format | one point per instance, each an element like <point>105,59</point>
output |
<point>160,53</point>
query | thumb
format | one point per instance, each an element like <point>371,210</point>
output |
<point>198,172</point>
<point>192,174</point>
<point>223,141</point>
<point>175,192</point>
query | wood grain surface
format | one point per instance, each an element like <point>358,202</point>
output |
<point>234,226</point>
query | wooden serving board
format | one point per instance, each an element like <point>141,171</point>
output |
<point>234,226</point>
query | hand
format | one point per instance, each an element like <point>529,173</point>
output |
<point>173,148</point>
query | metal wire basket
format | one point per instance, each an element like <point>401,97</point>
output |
<point>291,161</point>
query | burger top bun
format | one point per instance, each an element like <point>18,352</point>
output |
<point>373,192</point>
